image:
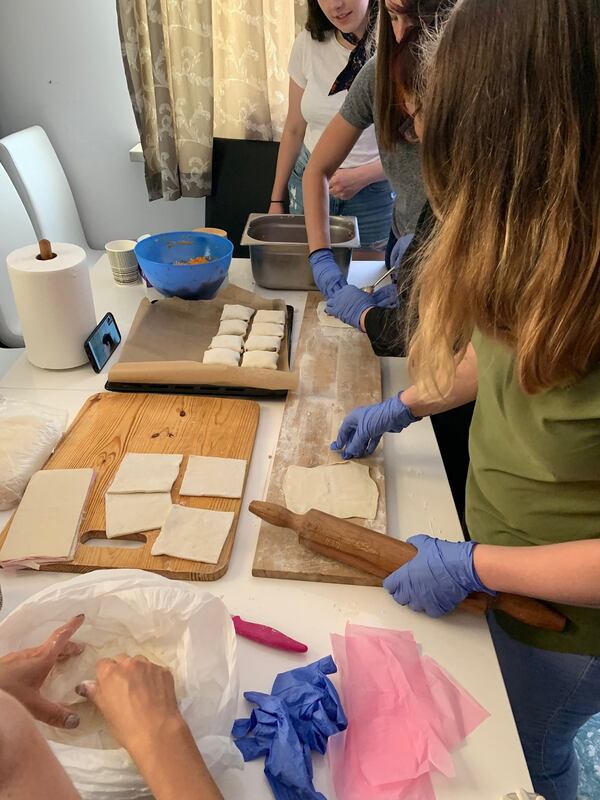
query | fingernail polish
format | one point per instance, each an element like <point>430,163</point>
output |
<point>72,721</point>
<point>80,689</point>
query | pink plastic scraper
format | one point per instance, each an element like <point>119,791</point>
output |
<point>267,636</point>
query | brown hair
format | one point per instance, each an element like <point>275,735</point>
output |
<point>320,27</point>
<point>511,158</point>
<point>397,63</point>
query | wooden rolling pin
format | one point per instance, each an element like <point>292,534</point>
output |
<point>380,555</point>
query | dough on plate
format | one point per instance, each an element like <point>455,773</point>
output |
<point>232,327</point>
<point>146,472</point>
<point>234,343</point>
<point>221,355</point>
<point>270,316</point>
<point>261,359</point>
<point>327,321</point>
<point>267,329</point>
<point>344,490</point>
<point>134,513</point>
<point>207,476</point>
<point>237,312</point>
<point>194,534</point>
<point>262,343</point>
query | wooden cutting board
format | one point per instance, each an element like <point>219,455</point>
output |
<point>110,425</point>
<point>338,372</point>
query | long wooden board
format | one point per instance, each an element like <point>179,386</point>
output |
<point>110,425</point>
<point>338,371</point>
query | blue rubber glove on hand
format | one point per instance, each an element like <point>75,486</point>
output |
<point>399,249</point>
<point>326,273</point>
<point>386,297</point>
<point>437,578</point>
<point>348,304</point>
<point>362,429</point>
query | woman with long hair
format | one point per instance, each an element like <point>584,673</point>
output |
<point>326,58</point>
<point>506,308</point>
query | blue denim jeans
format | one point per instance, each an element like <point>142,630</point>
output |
<point>372,206</point>
<point>552,695</point>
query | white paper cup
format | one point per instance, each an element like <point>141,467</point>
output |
<point>123,261</point>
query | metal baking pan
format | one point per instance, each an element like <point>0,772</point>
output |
<point>279,249</point>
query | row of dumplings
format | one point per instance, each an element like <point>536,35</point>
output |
<point>260,348</point>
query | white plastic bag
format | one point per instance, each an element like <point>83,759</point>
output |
<point>190,628</point>
<point>28,435</point>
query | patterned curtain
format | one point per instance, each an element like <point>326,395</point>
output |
<point>202,68</point>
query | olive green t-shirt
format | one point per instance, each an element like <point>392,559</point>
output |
<point>535,476</point>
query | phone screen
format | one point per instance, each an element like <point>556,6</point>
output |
<point>102,342</point>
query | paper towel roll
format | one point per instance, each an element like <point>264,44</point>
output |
<point>55,305</point>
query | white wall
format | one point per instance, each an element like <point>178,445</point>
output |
<point>61,68</point>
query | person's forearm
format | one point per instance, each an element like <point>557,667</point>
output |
<point>561,573</point>
<point>315,189</point>
<point>463,391</point>
<point>289,148</point>
<point>173,767</point>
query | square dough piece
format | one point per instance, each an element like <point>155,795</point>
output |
<point>270,316</point>
<point>221,355</point>
<point>146,472</point>
<point>206,476</point>
<point>134,513</point>
<point>234,343</point>
<point>237,312</point>
<point>267,329</point>
<point>261,359</point>
<point>344,490</point>
<point>262,343</point>
<point>232,327</point>
<point>194,534</point>
<point>327,321</point>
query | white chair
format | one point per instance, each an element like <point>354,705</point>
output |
<point>33,166</point>
<point>16,230</point>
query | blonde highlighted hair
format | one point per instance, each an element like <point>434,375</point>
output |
<point>511,160</point>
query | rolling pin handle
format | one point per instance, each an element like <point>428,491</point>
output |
<point>276,515</point>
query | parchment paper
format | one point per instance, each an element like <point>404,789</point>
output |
<point>169,337</point>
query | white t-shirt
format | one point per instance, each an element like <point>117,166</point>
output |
<point>314,66</point>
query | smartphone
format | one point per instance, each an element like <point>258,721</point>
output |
<point>102,342</point>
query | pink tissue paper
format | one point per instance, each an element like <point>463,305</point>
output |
<point>405,716</point>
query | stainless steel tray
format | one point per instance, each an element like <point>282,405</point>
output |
<point>279,249</point>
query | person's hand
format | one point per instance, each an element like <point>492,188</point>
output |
<point>349,304</point>
<point>23,672</point>
<point>399,249</point>
<point>326,272</point>
<point>438,578</point>
<point>277,208</point>
<point>345,183</point>
<point>362,429</point>
<point>386,297</point>
<point>135,697</point>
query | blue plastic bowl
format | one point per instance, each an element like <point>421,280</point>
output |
<point>158,256</point>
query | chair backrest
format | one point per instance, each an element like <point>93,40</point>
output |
<point>242,179</point>
<point>34,168</point>
<point>16,230</point>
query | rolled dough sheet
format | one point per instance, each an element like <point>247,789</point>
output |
<point>326,320</point>
<point>232,327</point>
<point>206,476</point>
<point>236,312</point>
<point>267,329</point>
<point>254,342</point>
<point>46,523</point>
<point>134,513</point>
<point>146,472</point>
<point>194,534</point>
<point>270,316</point>
<point>344,490</point>
<point>260,359</point>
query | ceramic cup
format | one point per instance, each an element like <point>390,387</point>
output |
<point>123,261</point>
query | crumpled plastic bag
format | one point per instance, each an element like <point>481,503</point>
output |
<point>28,435</point>
<point>187,629</point>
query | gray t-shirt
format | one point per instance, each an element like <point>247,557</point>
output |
<point>402,164</point>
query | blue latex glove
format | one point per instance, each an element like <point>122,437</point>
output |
<point>348,304</point>
<point>399,249</point>
<point>386,297</point>
<point>437,578</point>
<point>362,429</point>
<point>301,713</point>
<point>326,273</point>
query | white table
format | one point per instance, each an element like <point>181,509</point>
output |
<point>490,763</point>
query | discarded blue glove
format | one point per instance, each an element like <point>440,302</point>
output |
<point>299,715</point>
<point>437,578</point>
<point>348,304</point>
<point>326,273</point>
<point>362,429</point>
<point>386,297</point>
